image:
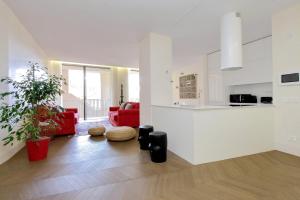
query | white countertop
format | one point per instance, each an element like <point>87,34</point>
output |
<point>213,107</point>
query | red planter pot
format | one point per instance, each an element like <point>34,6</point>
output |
<point>37,149</point>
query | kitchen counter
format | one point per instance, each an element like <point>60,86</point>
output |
<point>202,134</point>
<point>212,107</point>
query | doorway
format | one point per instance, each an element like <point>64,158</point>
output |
<point>88,89</point>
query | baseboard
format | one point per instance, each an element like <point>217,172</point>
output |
<point>293,150</point>
<point>10,152</point>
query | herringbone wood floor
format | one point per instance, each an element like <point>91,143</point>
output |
<point>91,168</point>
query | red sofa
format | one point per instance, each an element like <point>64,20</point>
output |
<point>119,117</point>
<point>75,111</point>
<point>66,122</point>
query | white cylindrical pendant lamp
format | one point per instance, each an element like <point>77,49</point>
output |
<point>231,42</point>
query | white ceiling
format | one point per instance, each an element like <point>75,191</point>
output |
<point>108,32</point>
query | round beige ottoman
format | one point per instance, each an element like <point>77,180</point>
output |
<point>98,131</point>
<point>121,133</point>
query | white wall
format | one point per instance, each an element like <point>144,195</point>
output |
<point>201,70</point>
<point>16,50</point>
<point>155,75</point>
<point>257,68</point>
<point>161,62</point>
<point>286,58</point>
<point>145,81</point>
<point>55,68</point>
<point>120,76</point>
<point>176,74</point>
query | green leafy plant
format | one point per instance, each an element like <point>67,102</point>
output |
<point>32,103</point>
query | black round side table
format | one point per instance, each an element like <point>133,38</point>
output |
<point>144,132</point>
<point>158,146</point>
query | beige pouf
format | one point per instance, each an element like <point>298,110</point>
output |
<point>98,131</point>
<point>121,133</point>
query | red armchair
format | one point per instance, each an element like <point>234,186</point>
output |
<point>131,117</point>
<point>75,111</point>
<point>66,122</point>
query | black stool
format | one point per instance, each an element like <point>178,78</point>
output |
<point>144,136</point>
<point>158,146</point>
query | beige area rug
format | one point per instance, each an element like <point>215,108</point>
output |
<point>83,127</point>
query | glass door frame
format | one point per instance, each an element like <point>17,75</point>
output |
<point>84,68</point>
<point>84,93</point>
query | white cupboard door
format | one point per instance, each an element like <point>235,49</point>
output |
<point>216,89</point>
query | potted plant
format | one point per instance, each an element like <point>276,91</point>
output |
<point>28,106</point>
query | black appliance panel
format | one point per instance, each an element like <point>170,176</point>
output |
<point>266,100</point>
<point>243,98</point>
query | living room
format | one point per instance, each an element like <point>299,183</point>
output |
<point>217,81</point>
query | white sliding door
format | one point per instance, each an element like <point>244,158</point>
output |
<point>88,89</point>
<point>73,96</point>
<point>98,92</point>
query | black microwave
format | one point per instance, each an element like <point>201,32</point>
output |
<point>243,98</point>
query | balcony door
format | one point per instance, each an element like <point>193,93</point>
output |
<point>88,89</point>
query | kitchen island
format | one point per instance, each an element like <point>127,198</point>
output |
<point>202,134</point>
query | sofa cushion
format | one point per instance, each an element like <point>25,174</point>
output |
<point>135,105</point>
<point>128,106</point>
<point>123,105</point>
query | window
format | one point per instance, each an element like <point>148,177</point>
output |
<point>75,83</point>
<point>133,86</point>
<point>93,85</point>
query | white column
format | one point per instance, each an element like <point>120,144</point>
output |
<point>155,76</point>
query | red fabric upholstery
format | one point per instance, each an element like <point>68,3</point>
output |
<point>130,117</point>
<point>115,108</point>
<point>66,122</point>
<point>75,111</point>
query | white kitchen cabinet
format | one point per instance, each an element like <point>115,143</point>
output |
<point>257,68</point>
<point>216,89</point>
<point>257,65</point>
